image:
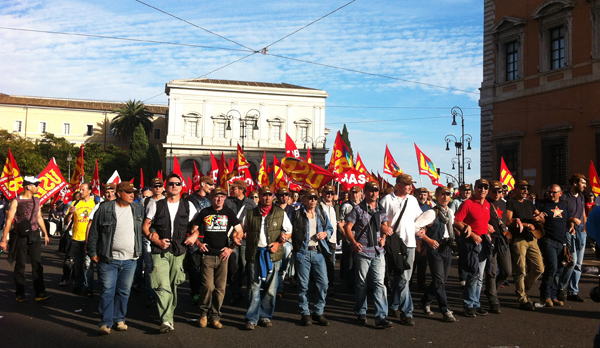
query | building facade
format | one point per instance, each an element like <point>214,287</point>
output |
<point>216,115</point>
<point>541,89</point>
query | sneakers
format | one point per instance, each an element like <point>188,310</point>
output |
<point>480,311</point>
<point>166,327</point>
<point>495,308</point>
<point>21,298</point>
<point>265,323</point>
<point>203,322</point>
<point>320,319</point>
<point>361,320</point>
<point>103,330</point>
<point>575,298</point>
<point>548,303</point>
<point>470,312</point>
<point>407,321</point>
<point>250,325</point>
<point>305,320</point>
<point>120,326</point>
<point>527,306</point>
<point>42,297</point>
<point>383,324</point>
<point>558,303</point>
<point>449,317</point>
<point>427,310</point>
<point>216,324</point>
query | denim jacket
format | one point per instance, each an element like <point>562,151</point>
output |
<point>300,232</point>
<point>102,231</point>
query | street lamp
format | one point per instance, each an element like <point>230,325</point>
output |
<point>251,117</point>
<point>309,140</point>
<point>69,159</point>
<point>320,140</point>
<point>459,144</point>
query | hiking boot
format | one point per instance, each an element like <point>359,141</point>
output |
<point>558,303</point>
<point>548,303</point>
<point>103,330</point>
<point>361,320</point>
<point>383,324</point>
<point>305,320</point>
<point>320,319</point>
<point>265,323</point>
<point>427,310</point>
<point>407,321</point>
<point>121,326</point>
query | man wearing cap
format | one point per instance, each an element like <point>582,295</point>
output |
<point>193,258</point>
<point>439,238</point>
<point>402,209</point>
<point>214,224</point>
<point>472,220</point>
<point>366,228</point>
<point>332,209</point>
<point>311,230</point>
<point>166,227</point>
<point>240,205</point>
<point>115,244</point>
<point>347,261</point>
<point>267,229</point>
<point>500,266</point>
<point>575,199</point>
<point>80,212</point>
<point>526,256</point>
<point>464,192</point>
<point>283,202</point>
<point>26,207</point>
<point>422,195</point>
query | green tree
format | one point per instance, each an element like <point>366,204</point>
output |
<point>346,139</point>
<point>138,153</point>
<point>154,162</point>
<point>30,162</point>
<point>129,116</point>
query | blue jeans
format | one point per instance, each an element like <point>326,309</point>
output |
<point>311,263</point>
<point>362,266</point>
<point>262,301</point>
<point>472,290</point>
<point>401,299</point>
<point>571,274</point>
<point>115,282</point>
<point>283,270</point>
<point>552,252</point>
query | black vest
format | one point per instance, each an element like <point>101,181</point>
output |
<point>162,225</point>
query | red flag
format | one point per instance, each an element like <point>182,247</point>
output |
<point>290,147</point>
<point>505,176</point>
<point>189,185</point>
<point>77,178</point>
<point>594,181</point>
<point>177,170</point>
<point>214,169</point>
<point>341,158</point>
<point>96,181</point>
<point>305,174</point>
<point>141,178</point>
<point>51,181</point>
<point>195,179</point>
<point>223,175</point>
<point>263,175</point>
<point>279,177</point>
<point>115,178</point>
<point>11,182</point>
<point>352,177</point>
<point>243,168</point>
<point>426,167</point>
<point>231,166</point>
<point>308,157</point>
<point>160,174</point>
<point>389,165</point>
<point>360,166</point>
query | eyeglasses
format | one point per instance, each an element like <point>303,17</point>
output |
<point>283,194</point>
<point>313,198</point>
<point>524,188</point>
<point>254,197</point>
<point>329,193</point>
<point>446,194</point>
<point>174,184</point>
<point>496,191</point>
<point>266,194</point>
<point>483,187</point>
<point>157,186</point>
<point>295,196</point>
<point>556,192</point>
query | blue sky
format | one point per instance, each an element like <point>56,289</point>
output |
<point>434,43</point>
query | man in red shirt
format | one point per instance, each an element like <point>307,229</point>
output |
<point>472,220</point>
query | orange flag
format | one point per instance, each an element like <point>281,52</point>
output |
<point>308,157</point>
<point>11,181</point>
<point>77,178</point>
<point>505,176</point>
<point>594,181</point>
<point>305,174</point>
<point>389,165</point>
<point>360,166</point>
<point>263,175</point>
<point>341,157</point>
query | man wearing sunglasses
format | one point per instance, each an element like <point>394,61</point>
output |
<point>26,207</point>
<point>267,229</point>
<point>521,215</point>
<point>332,209</point>
<point>166,226</point>
<point>472,220</point>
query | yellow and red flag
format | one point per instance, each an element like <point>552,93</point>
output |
<point>360,166</point>
<point>341,157</point>
<point>389,165</point>
<point>305,174</point>
<point>263,175</point>
<point>308,157</point>
<point>77,178</point>
<point>96,180</point>
<point>279,178</point>
<point>594,180</point>
<point>223,175</point>
<point>241,159</point>
<point>51,181</point>
<point>290,147</point>
<point>505,176</point>
<point>426,167</point>
<point>11,181</point>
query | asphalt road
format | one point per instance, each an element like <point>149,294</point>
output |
<point>68,320</point>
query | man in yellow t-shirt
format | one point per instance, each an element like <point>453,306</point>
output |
<point>80,212</point>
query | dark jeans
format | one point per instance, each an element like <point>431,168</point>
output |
<point>347,264</point>
<point>330,262</point>
<point>439,265</point>
<point>420,264</point>
<point>34,251</point>
<point>84,276</point>
<point>237,270</point>
<point>498,271</point>
<point>552,254</point>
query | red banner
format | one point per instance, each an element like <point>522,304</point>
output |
<point>51,181</point>
<point>305,174</point>
<point>290,147</point>
<point>263,175</point>
<point>352,177</point>
<point>11,182</point>
<point>594,181</point>
<point>389,165</point>
<point>341,158</point>
<point>195,179</point>
<point>96,181</point>
<point>177,170</point>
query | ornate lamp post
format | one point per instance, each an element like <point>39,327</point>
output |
<point>251,117</point>
<point>69,159</point>
<point>459,144</point>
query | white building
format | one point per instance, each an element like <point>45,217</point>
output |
<point>215,115</point>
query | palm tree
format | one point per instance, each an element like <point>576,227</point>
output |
<point>129,116</point>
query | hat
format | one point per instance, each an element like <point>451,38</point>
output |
<point>267,189</point>
<point>218,191</point>
<point>239,183</point>
<point>207,179</point>
<point>156,182</point>
<point>356,189</point>
<point>126,186</point>
<point>110,186</point>
<point>173,175</point>
<point>482,182</point>
<point>442,189</point>
<point>495,184</point>
<point>465,187</point>
<point>327,188</point>
<point>30,180</point>
<point>421,189</point>
<point>404,179</point>
<point>576,177</point>
<point>521,183</point>
<point>280,191</point>
<point>311,192</point>
<point>372,186</point>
